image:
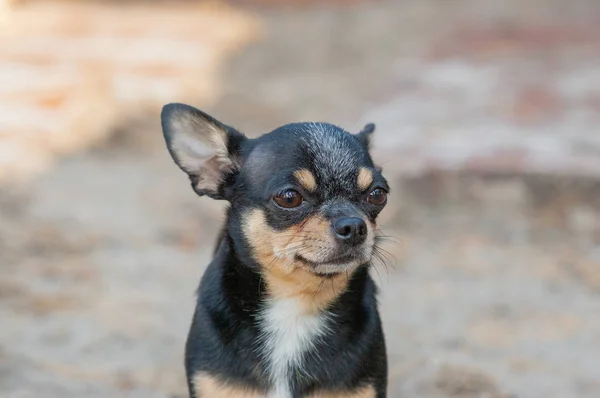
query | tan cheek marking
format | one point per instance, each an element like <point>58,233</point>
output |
<point>259,236</point>
<point>286,277</point>
<point>306,179</point>
<point>316,227</point>
<point>364,392</point>
<point>365,178</point>
<point>209,386</point>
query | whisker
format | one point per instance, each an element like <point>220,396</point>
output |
<point>386,253</point>
<point>383,259</point>
<point>379,234</point>
<point>387,240</point>
<point>378,274</point>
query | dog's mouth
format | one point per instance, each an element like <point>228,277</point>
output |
<point>333,266</point>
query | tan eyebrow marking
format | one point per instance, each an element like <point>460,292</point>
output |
<point>365,178</point>
<point>306,179</point>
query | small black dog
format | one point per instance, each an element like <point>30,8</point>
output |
<point>287,307</point>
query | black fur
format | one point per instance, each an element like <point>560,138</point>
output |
<point>223,334</point>
<point>225,330</point>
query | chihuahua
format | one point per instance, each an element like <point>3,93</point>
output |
<point>286,308</point>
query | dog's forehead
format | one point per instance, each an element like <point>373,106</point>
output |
<point>332,154</point>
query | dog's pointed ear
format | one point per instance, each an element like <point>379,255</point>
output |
<point>206,149</point>
<point>365,134</point>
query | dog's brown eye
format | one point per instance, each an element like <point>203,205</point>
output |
<point>288,199</point>
<point>377,197</point>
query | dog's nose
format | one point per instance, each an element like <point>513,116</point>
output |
<point>351,230</point>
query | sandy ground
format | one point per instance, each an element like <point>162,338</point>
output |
<point>493,289</point>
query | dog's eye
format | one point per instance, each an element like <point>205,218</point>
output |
<point>377,197</point>
<point>288,199</point>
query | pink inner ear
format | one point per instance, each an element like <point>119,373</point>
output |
<point>212,172</point>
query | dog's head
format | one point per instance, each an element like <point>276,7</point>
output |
<point>305,195</point>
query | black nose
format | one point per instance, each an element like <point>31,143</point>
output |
<point>351,230</point>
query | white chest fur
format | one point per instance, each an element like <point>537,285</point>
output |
<point>288,332</point>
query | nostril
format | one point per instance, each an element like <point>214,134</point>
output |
<point>343,230</point>
<point>362,229</point>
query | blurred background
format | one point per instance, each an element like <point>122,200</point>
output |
<point>488,128</point>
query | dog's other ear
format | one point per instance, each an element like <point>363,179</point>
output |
<point>365,135</point>
<point>206,149</point>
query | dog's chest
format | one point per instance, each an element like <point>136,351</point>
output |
<point>288,334</point>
